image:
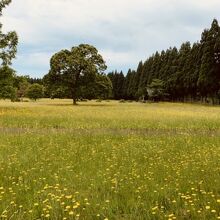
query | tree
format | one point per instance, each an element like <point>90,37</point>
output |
<point>8,42</point>
<point>55,89</point>
<point>35,91</point>
<point>142,94</point>
<point>155,90</point>
<point>117,80</point>
<point>7,91</point>
<point>209,76</point>
<point>21,84</point>
<point>103,87</point>
<point>70,68</point>
<point>8,49</point>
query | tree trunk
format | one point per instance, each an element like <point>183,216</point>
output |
<point>74,101</point>
<point>74,88</point>
<point>74,96</point>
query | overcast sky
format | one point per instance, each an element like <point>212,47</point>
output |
<point>124,31</point>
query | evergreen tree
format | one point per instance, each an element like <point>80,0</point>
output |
<point>208,80</point>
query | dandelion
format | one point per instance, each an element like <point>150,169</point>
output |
<point>71,213</point>
<point>154,208</point>
<point>75,206</point>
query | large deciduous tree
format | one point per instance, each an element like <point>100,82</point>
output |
<point>70,68</point>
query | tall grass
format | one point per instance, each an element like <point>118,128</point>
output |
<point>109,160</point>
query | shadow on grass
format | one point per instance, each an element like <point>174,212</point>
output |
<point>80,104</point>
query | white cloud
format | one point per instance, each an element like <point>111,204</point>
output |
<point>119,59</point>
<point>125,31</point>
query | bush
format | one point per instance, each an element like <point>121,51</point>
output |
<point>35,91</point>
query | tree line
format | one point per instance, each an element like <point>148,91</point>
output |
<point>190,73</point>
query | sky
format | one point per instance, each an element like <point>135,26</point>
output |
<point>123,31</point>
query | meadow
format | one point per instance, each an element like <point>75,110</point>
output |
<point>109,160</point>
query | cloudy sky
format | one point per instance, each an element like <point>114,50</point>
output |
<point>124,31</point>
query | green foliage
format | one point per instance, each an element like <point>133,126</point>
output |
<point>8,42</point>
<point>156,90</point>
<point>142,93</point>
<point>117,80</point>
<point>8,49</point>
<point>35,91</point>
<point>75,68</point>
<point>103,87</point>
<point>7,91</point>
<point>21,84</point>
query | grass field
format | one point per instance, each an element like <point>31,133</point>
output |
<point>109,160</point>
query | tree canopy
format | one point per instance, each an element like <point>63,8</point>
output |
<point>35,91</point>
<point>74,68</point>
<point>8,49</point>
<point>8,41</point>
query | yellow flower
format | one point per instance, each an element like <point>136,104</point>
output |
<point>68,207</point>
<point>154,208</point>
<point>207,207</point>
<point>71,213</point>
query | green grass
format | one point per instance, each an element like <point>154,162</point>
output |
<point>109,160</point>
